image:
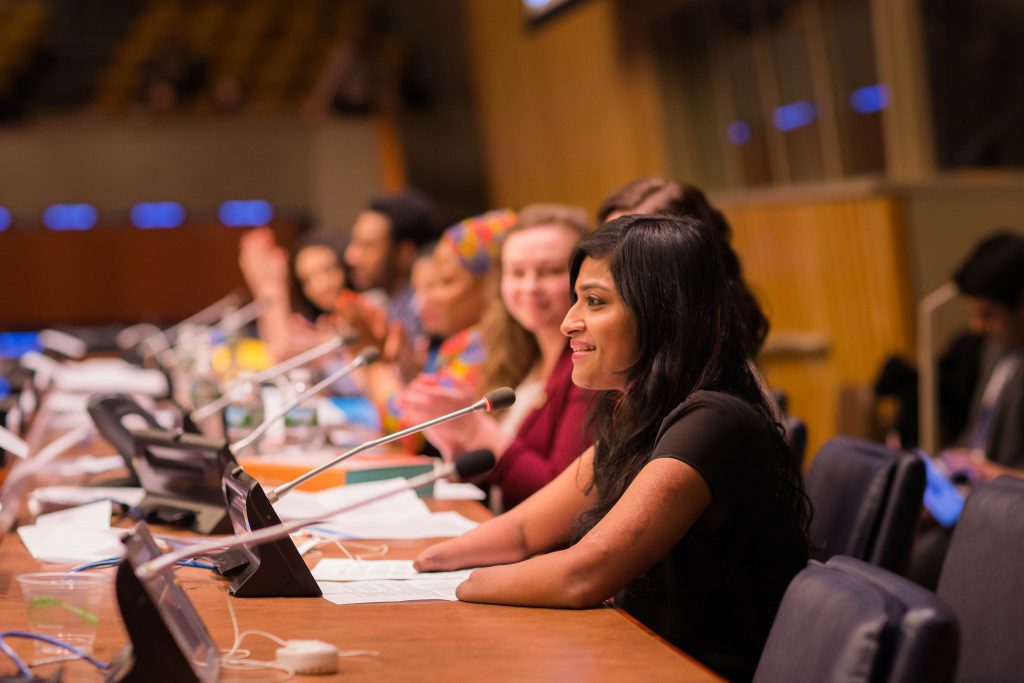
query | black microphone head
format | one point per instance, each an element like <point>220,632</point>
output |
<point>474,463</point>
<point>499,399</point>
<point>368,355</point>
<point>348,338</point>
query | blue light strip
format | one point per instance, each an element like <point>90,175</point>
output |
<point>870,99</point>
<point>5,219</point>
<point>157,215</point>
<point>738,132</point>
<point>238,213</point>
<point>70,216</point>
<point>794,115</point>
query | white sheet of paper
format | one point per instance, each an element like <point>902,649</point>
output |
<point>92,516</point>
<point>398,527</point>
<point>296,504</point>
<point>79,534</point>
<point>78,495</point>
<point>69,545</point>
<point>450,490</point>
<point>359,592</point>
<point>344,569</point>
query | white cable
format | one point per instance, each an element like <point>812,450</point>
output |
<point>233,660</point>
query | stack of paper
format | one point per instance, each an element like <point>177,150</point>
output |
<point>351,582</point>
<point>74,536</point>
<point>400,516</point>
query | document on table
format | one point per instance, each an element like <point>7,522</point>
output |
<point>79,495</point>
<point>342,569</point>
<point>448,490</point>
<point>398,527</point>
<point>81,534</point>
<point>359,592</point>
<point>298,504</point>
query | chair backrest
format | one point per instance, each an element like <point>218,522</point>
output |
<point>866,499</point>
<point>855,623</point>
<point>983,580</point>
<point>926,638</point>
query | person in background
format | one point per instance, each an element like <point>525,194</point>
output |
<point>981,386</point>
<point>544,431</point>
<point>689,502</point>
<point>385,239</point>
<point>464,263</point>
<point>653,195</point>
<point>989,362</point>
<point>301,288</point>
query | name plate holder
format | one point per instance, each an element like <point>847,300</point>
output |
<point>182,475</point>
<point>169,641</point>
<point>274,569</point>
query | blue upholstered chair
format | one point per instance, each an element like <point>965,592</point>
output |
<point>851,622</point>
<point>983,580</point>
<point>867,499</point>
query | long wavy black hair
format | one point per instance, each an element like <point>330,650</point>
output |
<point>669,273</point>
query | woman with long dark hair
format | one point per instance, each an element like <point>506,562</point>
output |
<point>689,506</point>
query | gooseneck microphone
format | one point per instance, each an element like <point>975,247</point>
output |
<point>471,464</point>
<point>145,335</point>
<point>296,361</point>
<point>363,358</point>
<point>498,399</point>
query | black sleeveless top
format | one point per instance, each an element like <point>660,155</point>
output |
<point>715,594</point>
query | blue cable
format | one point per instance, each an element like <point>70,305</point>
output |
<point>113,561</point>
<point>23,668</point>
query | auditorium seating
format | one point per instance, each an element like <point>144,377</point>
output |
<point>273,49</point>
<point>867,499</point>
<point>983,581</point>
<point>856,623</point>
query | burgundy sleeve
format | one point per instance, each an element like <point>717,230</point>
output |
<point>528,465</point>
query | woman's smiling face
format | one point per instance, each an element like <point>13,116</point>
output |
<point>601,330</point>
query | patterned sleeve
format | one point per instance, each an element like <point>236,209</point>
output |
<point>459,364</point>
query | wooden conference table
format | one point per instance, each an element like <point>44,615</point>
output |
<point>425,641</point>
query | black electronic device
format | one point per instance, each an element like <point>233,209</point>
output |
<point>183,473</point>
<point>109,412</point>
<point>169,641</point>
<point>273,568</point>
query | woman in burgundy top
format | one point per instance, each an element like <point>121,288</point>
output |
<point>538,437</point>
<point>550,438</point>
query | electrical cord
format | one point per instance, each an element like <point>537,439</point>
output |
<point>23,668</point>
<point>113,561</point>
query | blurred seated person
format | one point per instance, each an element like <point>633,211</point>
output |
<point>653,195</point>
<point>385,240</point>
<point>172,77</point>
<point>544,431</point>
<point>688,508</point>
<point>464,262</point>
<point>983,372</point>
<point>300,289</point>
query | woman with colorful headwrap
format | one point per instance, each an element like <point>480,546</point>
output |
<point>544,431</point>
<point>451,306</point>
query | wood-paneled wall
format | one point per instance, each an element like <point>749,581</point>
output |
<point>567,112</point>
<point>116,275</point>
<point>832,269</point>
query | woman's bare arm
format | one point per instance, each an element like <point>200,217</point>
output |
<point>659,507</point>
<point>543,521</point>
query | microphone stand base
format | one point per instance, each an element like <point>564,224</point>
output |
<point>275,569</point>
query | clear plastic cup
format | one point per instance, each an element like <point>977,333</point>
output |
<point>65,607</point>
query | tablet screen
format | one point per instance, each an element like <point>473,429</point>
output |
<point>941,496</point>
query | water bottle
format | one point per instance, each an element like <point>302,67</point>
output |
<point>245,411</point>
<point>301,427</point>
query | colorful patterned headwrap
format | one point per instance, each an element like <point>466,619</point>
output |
<point>476,240</point>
